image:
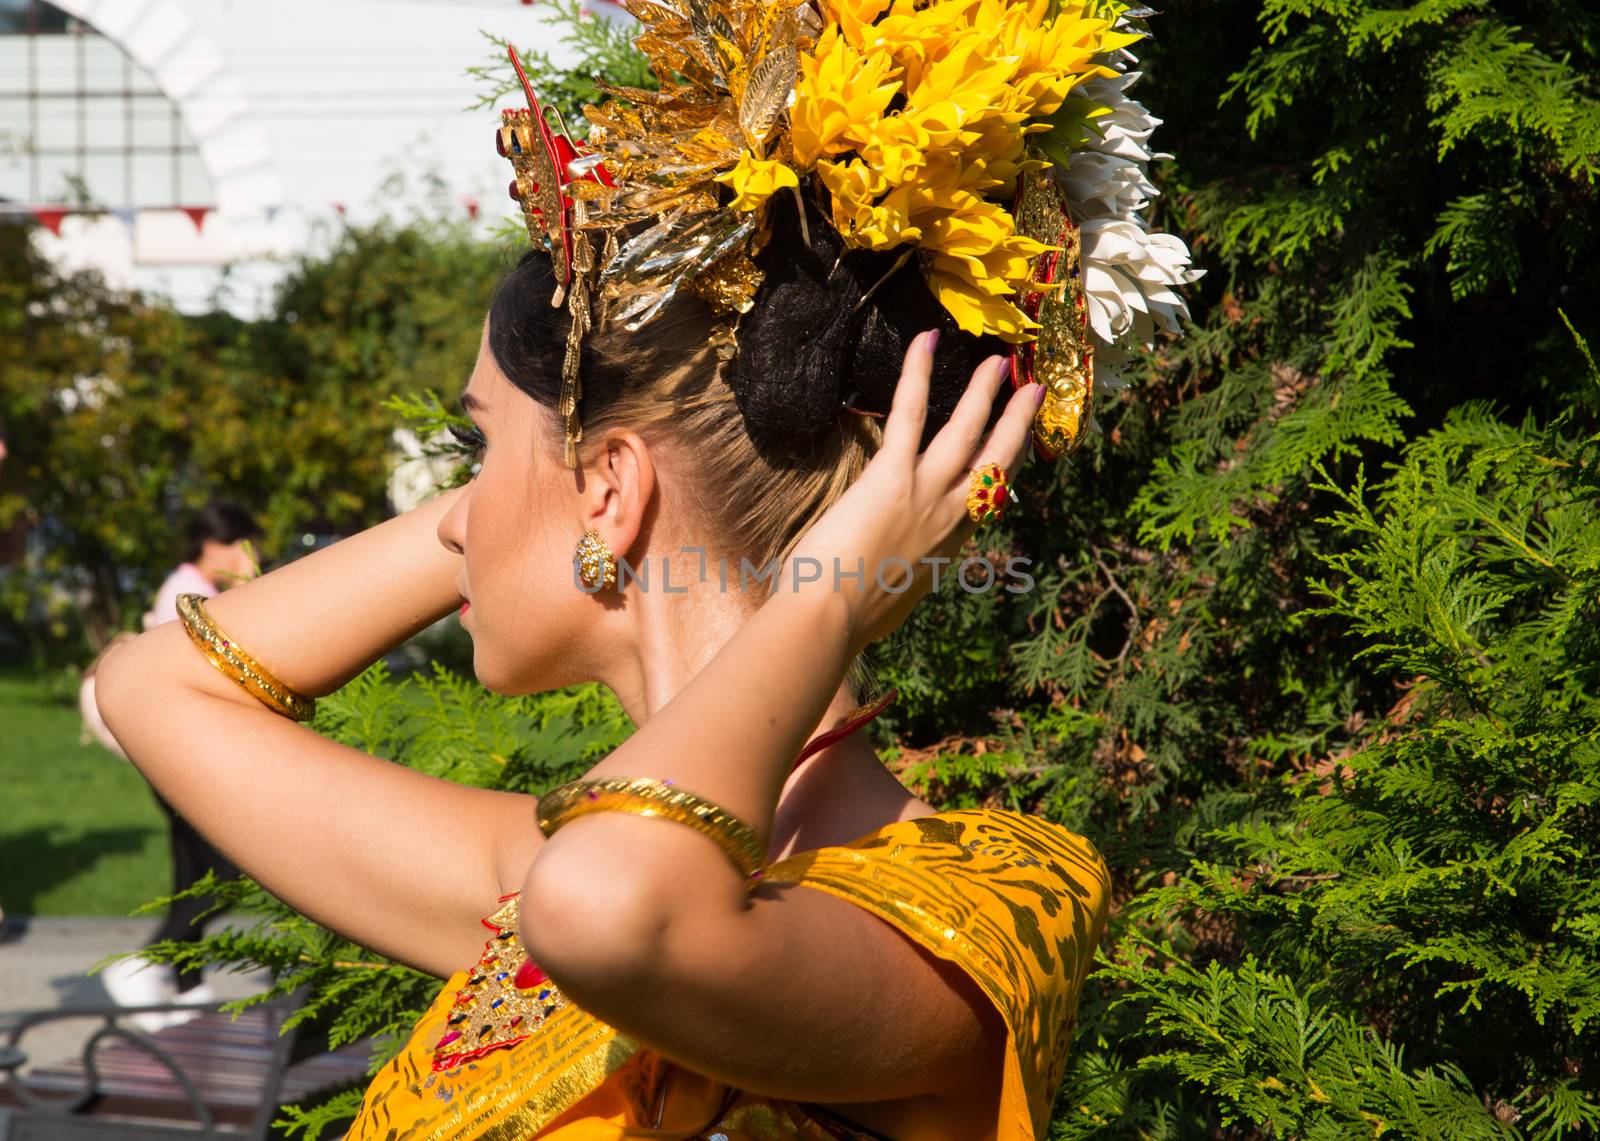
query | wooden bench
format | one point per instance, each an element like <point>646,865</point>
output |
<point>211,1077</point>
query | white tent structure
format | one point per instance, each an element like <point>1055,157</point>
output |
<point>263,122</point>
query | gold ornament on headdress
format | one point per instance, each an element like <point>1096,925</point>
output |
<point>545,162</point>
<point>525,139</point>
<point>908,123</point>
<point>1062,358</point>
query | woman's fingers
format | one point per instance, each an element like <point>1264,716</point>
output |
<point>960,436</point>
<point>902,432</point>
<point>1007,445</point>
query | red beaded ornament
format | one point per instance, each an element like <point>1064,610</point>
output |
<point>506,996</point>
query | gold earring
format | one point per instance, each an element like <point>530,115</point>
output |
<point>596,567</point>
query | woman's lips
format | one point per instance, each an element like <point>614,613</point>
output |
<point>465,606</point>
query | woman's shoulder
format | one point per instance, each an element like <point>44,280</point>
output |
<point>1000,890</point>
<point>1018,902</point>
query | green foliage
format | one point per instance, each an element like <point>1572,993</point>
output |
<point>602,52</point>
<point>1345,757</point>
<point>1269,1059</point>
<point>1442,881</point>
<point>160,412</point>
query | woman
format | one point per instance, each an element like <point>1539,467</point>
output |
<point>684,382</point>
<point>791,995</point>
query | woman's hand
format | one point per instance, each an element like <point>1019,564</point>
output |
<point>907,507</point>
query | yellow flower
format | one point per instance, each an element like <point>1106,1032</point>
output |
<point>861,217</point>
<point>856,17</point>
<point>897,149</point>
<point>841,95</point>
<point>964,286</point>
<point>754,180</point>
<point>969,80</point>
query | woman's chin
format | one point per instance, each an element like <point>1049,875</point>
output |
<point>504,678</point>
<point>490,679</point>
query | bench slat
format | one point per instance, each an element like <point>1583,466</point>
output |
<point>229,1061</point>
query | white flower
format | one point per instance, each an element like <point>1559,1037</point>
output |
<point>1128,126</point>
<point>1130,274</point>
<point>1106,186</point>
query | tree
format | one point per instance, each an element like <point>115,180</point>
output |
<point>123,415</point>
<point>1399,938</point>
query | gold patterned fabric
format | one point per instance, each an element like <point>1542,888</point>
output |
<point>1017,902</point>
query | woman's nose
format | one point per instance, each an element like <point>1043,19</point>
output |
<point>453,527</point>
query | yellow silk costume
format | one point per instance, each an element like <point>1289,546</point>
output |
<point>1017,902</point>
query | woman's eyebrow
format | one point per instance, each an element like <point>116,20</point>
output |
<point>472,404</point>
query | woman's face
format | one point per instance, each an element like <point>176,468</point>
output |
<point>232,563</point>
<point>517,525</point>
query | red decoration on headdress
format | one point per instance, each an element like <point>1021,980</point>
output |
<point>567,151</point>
<point>551,162</point>
<point>1062,356</point>
<point>543,138</point>
<point>1045,269</point>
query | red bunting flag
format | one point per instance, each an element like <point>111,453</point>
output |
<point>472,207</point>
<point>339,206</point>
<point>51,217</point>
<point>197,215</point>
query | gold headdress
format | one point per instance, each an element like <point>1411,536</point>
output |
<point>939,126</point>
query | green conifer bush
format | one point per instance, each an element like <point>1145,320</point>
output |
<point>1407,938</point>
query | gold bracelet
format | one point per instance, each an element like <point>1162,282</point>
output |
<point>224,653</point>
<point>647,796</point>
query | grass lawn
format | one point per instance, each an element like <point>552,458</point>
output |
<point>80,832</point>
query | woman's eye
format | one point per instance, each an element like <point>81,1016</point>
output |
<point>471,439</point>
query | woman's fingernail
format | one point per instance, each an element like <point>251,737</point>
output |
<point>931,340</point>
<point>1038,397</point>
<point>1005,369</point>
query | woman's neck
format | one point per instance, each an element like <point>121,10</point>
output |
<point>673,637</point>
<point>670,638</point>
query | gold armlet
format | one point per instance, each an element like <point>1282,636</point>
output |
<point>646,796</point>
<point>226,654</point>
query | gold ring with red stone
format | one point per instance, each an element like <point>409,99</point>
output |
<point>988,494</point>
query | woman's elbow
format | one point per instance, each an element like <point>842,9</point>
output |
<point>123,680</point>
<point>590,926</point>
<point>111,682</point>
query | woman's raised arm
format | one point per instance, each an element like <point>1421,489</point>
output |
<point>398,861</point>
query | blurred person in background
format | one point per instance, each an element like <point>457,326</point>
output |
<point>220,553</point>
<point>14,536</point>
<point>2,560</point>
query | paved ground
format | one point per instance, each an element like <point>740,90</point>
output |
<point>44,965</point>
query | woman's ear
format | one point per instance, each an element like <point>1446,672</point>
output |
<point>618,486</point>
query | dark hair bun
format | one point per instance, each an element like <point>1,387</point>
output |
<point>809,345</point>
